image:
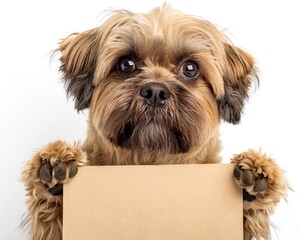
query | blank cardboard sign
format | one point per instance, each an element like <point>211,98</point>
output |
<point>161,202</point>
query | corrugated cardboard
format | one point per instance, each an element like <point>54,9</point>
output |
<point>164,202</point>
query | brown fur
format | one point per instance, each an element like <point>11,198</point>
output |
<point>124,130</point>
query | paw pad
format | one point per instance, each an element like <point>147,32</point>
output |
<point>248,178</point>
<point>247,196</point>
<point>73,169</point>
<point>60,171</point>
<point>261,185</point>
<point>57,189</point>
<point>45,172</point>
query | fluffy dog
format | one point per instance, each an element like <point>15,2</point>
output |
<point>157,86</point>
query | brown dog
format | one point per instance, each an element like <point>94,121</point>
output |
<point>157,86</point>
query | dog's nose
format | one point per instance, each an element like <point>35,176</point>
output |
<point>155,94</point>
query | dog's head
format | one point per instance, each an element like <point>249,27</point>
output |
<point>160,81</point>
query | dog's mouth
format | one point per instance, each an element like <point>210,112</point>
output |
<point>151,137</point>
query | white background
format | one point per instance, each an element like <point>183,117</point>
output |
<point>35,111</point>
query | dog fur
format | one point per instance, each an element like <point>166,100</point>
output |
<point>199,77</point>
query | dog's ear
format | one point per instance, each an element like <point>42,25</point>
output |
<point>78,63</point>
<point>239,73</point>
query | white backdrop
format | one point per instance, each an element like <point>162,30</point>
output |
<point>35,111</point>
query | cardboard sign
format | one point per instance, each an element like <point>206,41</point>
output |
<point>160,202</point>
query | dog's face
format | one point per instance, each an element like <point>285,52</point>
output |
<point>160,81</point>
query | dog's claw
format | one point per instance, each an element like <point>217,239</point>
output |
<point>73,169</point>
<point>45,172</point>
<point>59,171</point>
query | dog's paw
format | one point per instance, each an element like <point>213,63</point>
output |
<point>260,177</point>
<point>249,180</point>
<point>54,165</point>
<point>56,171</point>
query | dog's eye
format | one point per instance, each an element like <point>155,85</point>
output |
<point>126,65</point>
<point>190,69</point>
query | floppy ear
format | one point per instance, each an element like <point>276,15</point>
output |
<point>238,76</point>
<point>78,63</point>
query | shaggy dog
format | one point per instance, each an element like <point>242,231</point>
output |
<point>157,86</point>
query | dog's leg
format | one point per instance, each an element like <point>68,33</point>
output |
<point>263,186</point>
<point>43,177</point>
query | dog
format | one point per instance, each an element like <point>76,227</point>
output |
<point>157,87</point>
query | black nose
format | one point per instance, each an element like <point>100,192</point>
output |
<point>155,94</point>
